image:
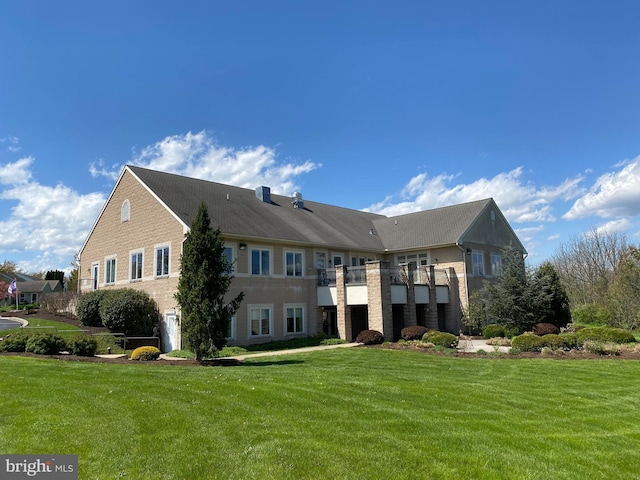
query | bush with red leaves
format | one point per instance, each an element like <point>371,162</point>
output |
<point>370,337</point>
<point>415,332</point>
<point>541,329</point>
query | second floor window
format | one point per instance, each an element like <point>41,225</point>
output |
<point>136,266</point>
<point>110,270</point>
<point>162,261</point>
<point>294,264</point>
<point>477,263</point>
<point>228,254</point>
<point>496,264</point>
<point>260,262</point>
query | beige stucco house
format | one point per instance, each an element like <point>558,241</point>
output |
<point>305,267</point>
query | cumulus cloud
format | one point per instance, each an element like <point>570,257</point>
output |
<point>198,155</point>
<point>520,201</point>
<point>16,173</point>
<point>614,194</point>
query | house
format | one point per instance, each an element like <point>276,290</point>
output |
<point>31,289</point>
<point>305,267</point>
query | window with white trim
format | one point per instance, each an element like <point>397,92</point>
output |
<point>110,271</point>
<point>293,264</point>
<point>295,319</point>
<point>337,259</point>
<point>477,263</point>
<point>320,259</point>
<point>230,332</point>
<point>260,261</point>
<point>95,268</point>
<point>125,211</point>
<point>136,266</point>
<point>162,261</point>
<point>496,264</point>
<point>260,321</point>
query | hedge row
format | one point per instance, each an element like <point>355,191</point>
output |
<point>530,342</point>
<point>50,344</point>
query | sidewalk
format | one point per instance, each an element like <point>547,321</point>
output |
<point>471,345</point>
<point>296,350</point>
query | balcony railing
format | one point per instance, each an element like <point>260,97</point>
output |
<point>398,275</point>
<point>357,275</point>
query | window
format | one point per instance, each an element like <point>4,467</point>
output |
<point>477,263</point>
<point>260,263</point>
<point>295,320</point>
<point>162,261</point>
<point>337,259</point>
<point>293,264</point>
<point>110,271</point>
<point>228,254</point>
<point>230,332</point>
<point>260,318</point>
<point>136,266</point>
<point>420,259</point>
<point>496,264</point>
<point>124,211</point>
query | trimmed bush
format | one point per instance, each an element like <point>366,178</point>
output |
<point>560,342</point>
<point>607,334</point>
<point>45,344</point>
<point>129,311</point>
<point>83,345</point>
<point>542,329</point>
<point>88,308</point>
<point>16,342</point>
<point>591,314</point>
<point>491,331</point>
<point>370,337</point>
<point>145,353</point>
<point>510,332</point>
<point>527,343</point>
<point>415,332</point>
<point>440,339</point>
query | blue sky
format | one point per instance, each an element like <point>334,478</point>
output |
<point>391,107</point>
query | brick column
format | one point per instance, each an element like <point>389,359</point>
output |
<point>432,316</point>
<point>379,298</point>
<point>344,311</point>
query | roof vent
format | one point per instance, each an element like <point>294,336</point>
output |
<point>264,194</point>
<point>296,200</point>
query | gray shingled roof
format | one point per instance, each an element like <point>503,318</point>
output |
<point>238,211</point>
<point>429,228</point>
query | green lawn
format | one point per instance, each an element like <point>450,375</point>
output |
<point>352,413</point>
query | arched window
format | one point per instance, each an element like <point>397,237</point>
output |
<point>124,212</point>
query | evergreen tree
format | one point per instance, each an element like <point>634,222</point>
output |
<point>205,277</point>
<point>554,307</point>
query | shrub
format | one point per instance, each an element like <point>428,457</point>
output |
<point>145,353</point>
<point>510,332</point>
<point>83,345</point>
<point>45,344</point>
<point>370,337</point>
<point>602,348</point>
<point>499,342</point>
<point>16,342</point>
<point>541,329</point>
<point>88,308</point>
<point>606,334</point>
<point>559,342</point>
<point>491,331</point>
<point>527,343</point>
<point>440,339</point>
<point>129,311</point>
<point>415,332</point>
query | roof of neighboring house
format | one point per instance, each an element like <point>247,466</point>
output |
<point>38,286</point>
<point>429,228</point>
<point>18,277</point>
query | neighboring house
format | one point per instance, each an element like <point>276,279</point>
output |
<point>305,267</point>
<point>31,289</point>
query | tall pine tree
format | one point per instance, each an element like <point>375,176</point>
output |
<point>205,277</point>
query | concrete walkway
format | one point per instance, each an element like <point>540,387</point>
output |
<point>473,344</point>
<point>295,350</point>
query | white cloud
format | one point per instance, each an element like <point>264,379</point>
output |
<point>198,155</point>
<point>16,173</point>
<point>13,143</point>
<point>614,194</point>
<point>520,201</point>
<point>620,225</point>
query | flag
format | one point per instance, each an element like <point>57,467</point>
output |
<point>13,287</point>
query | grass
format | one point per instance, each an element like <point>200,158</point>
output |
<point>342,414</point>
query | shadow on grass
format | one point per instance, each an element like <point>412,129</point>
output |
<point>272,362</point>
<point>233,362</point>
